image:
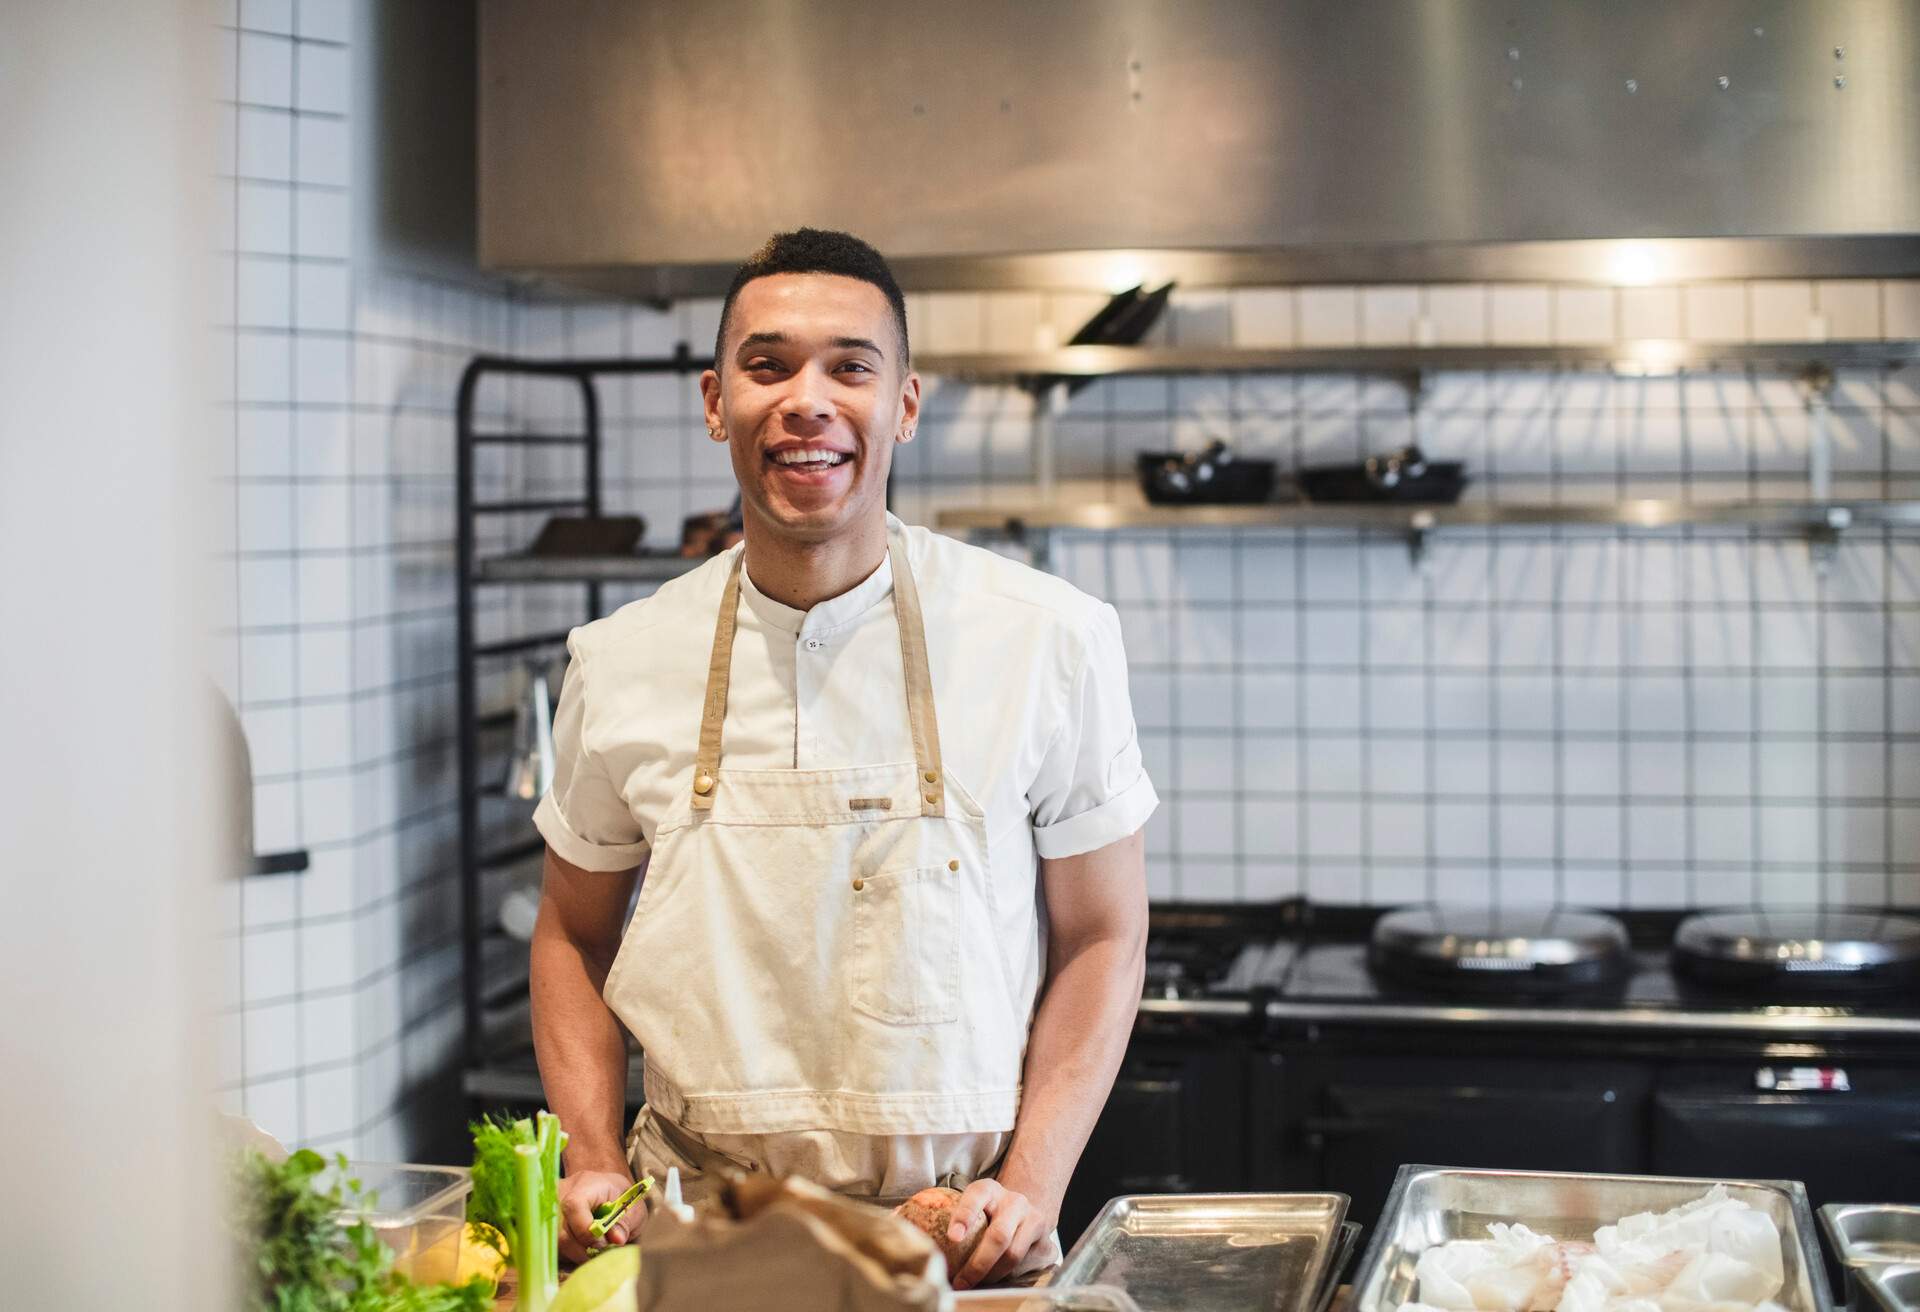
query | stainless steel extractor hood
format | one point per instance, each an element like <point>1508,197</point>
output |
<point>646,147</point>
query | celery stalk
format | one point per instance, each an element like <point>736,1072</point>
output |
<point>535,1254</point>
<point>516,1189</point>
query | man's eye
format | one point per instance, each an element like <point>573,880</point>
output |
<point>860,365</point>
<point>761,366</point>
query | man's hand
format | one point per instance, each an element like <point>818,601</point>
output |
<point>579,1195</point>
<point>1014,1226</point>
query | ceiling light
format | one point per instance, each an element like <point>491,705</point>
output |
<point>1635,263</point>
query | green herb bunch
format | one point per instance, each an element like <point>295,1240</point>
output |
<point>298,1256</point>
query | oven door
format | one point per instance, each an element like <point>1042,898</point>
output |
<point>1365,1117</point>
<point>1717,1120</point>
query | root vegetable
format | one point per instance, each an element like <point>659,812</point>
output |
<point>931,1211</point>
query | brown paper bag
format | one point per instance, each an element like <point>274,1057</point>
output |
<point>788,1246</point>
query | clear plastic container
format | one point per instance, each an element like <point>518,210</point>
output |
<point>418,1211</point>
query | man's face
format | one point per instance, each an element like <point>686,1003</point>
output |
<point>810,394</point>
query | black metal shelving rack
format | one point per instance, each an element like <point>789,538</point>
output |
<point>473,571</point>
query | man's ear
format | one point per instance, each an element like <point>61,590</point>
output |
<point>909,409</point>
<point>710,403</point>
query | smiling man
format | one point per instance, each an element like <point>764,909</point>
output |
<point>892,914</point>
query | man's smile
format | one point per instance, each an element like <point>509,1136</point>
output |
<point>808,462</point>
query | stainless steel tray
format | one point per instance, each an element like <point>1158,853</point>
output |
<point>1864,1235</point>
<point>1432,1204</point>
<point>1050,1298</point>
<point>1891,1288</point>
<point>1211,1252</point>
<point>1873,1234</point>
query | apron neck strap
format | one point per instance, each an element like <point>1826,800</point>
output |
<point>929,777</point>
<point>706,761</point>
<point>931,780</point>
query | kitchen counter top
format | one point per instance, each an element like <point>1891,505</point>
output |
<point>508,1298</point>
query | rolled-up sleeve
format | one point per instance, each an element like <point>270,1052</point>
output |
<point>1091,788</point>
<point>583,817</point>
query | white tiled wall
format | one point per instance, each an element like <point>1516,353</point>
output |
<point>1588,716</point>
<point>336,630</point>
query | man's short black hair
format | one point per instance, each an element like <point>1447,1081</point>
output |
<point>816,250</point>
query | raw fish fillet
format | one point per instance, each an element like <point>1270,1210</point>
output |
<point>1515,1271</point>
<point>1713,1254</point>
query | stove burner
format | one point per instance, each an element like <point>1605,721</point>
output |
<point>1837,951</point>
<point>1524,949</point>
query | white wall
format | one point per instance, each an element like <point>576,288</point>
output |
<point>1608,718</point>
<point>342,332</point>
<point>108,794</point>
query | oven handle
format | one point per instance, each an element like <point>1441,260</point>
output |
<point>1318,1129</point>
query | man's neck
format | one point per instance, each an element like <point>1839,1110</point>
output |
<point>804,574</point>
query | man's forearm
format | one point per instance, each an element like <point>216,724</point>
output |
<point>581,1050</point>
<point>1079,1037</point>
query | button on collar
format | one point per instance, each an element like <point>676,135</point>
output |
<point>814,644</point>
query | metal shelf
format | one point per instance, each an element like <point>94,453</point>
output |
<point>1637,357</point>
<point>504,963</point>
<point>1820,522</point>
<point>494,1006</point>
<point>1114,517</point>
<point>584,569</point>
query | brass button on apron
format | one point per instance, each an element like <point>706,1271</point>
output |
<point>859,884</point>
<point>933,776</point>
<point>703,785</point>
<point>953,865</point>
<point>931,799</point>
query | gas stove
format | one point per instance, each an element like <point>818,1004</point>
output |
<point>1276,1049</point>
<point>1296,962</point>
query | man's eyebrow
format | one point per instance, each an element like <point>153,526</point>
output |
<point>752,340</point>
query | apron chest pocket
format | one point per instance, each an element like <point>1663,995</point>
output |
<point>906,946</point>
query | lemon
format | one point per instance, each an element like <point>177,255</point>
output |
<point>480,1246</point>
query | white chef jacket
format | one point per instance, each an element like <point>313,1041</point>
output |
<point>1030,686</point>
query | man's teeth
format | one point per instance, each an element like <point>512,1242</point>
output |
<point>823,459</point>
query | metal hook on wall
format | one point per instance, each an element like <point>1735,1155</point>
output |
<point>1823,538</point>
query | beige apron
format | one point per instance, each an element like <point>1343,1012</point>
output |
<point>815,949</point>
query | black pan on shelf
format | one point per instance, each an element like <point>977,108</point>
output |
<point>1401,476</point>
<point>1213,477</point>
